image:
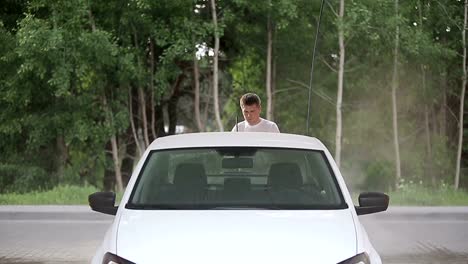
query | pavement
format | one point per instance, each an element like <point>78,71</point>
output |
<point>50,212</point>
<point>417,235</point>
<point>50,234</point>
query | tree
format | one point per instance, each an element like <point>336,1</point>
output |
<point>215,66</point>
<point>86,86</point>
<point>394,97</point>
<point>339,98</point>
<point>268,81</point>
<point>196,91</point>
<point>462,99</point>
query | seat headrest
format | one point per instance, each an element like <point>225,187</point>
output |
<point>285,175</point>
<point>190,175</point>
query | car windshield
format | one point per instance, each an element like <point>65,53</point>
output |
<point>236,178</point>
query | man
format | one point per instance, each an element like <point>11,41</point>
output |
<point>251,106</point>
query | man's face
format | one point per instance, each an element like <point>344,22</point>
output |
<point>251,113</point>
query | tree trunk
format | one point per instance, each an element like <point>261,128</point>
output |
<point>151,55</point>
<point>427,106</point>
<point>117,164</point>
<point>153,116</point>
<point>429,168</point>
<point>273,88</point>
<point>462,101</point>
<point>159,123</point>
<point>62,156</point>
<point>269,113</point>
<point>394,100</point>
<point>109,180</point>
<point>215,67</point>
<point>172,113</point>
<point>140,148</point>
<point>129,155</point>
<point>443,108</point>
<point>141,100</point>
<point>196,88</point>
<point>114,147</point>
<point>91,20</point>
<point>144,119</point>
<point>172,104</point>
<point>122,155</point>
<point>339,98</point>
<point>207,102</point>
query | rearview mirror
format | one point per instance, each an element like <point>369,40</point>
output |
<point>237,162</point>
<point>103,202</point>
<point>372,202</point>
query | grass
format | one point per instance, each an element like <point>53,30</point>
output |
<point>415,195</point>
<point>61,195</point>
<point>423,196</point>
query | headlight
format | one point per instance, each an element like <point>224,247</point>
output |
<point>110,258</point>
<point>358,259</point>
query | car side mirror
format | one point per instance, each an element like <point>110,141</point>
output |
<point>372,202</point>
<point>103,202</point>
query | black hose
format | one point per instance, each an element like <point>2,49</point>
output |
<point>313,62</point>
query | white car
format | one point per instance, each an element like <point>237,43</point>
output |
<point>236,198</point>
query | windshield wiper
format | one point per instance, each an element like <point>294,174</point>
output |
<point>200,207</point>
<point>246,207</point>
<point>151,206</point>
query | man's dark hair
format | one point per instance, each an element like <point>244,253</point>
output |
<point>250,99</point>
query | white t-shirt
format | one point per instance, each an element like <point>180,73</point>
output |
<point>262,126</point>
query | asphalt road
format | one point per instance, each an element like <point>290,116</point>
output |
<point>71,234</point>
<point>420,234</point>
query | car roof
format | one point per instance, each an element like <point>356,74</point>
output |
<point>241,139</point>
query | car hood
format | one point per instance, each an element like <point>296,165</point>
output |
<point>236,236</point>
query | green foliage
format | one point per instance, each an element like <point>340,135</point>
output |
<point>22,178</point>
<point>246,77</point>
<point>380,176</point>
<point>69,70</point>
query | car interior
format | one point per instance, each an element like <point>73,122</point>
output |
<point>260,179</point>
